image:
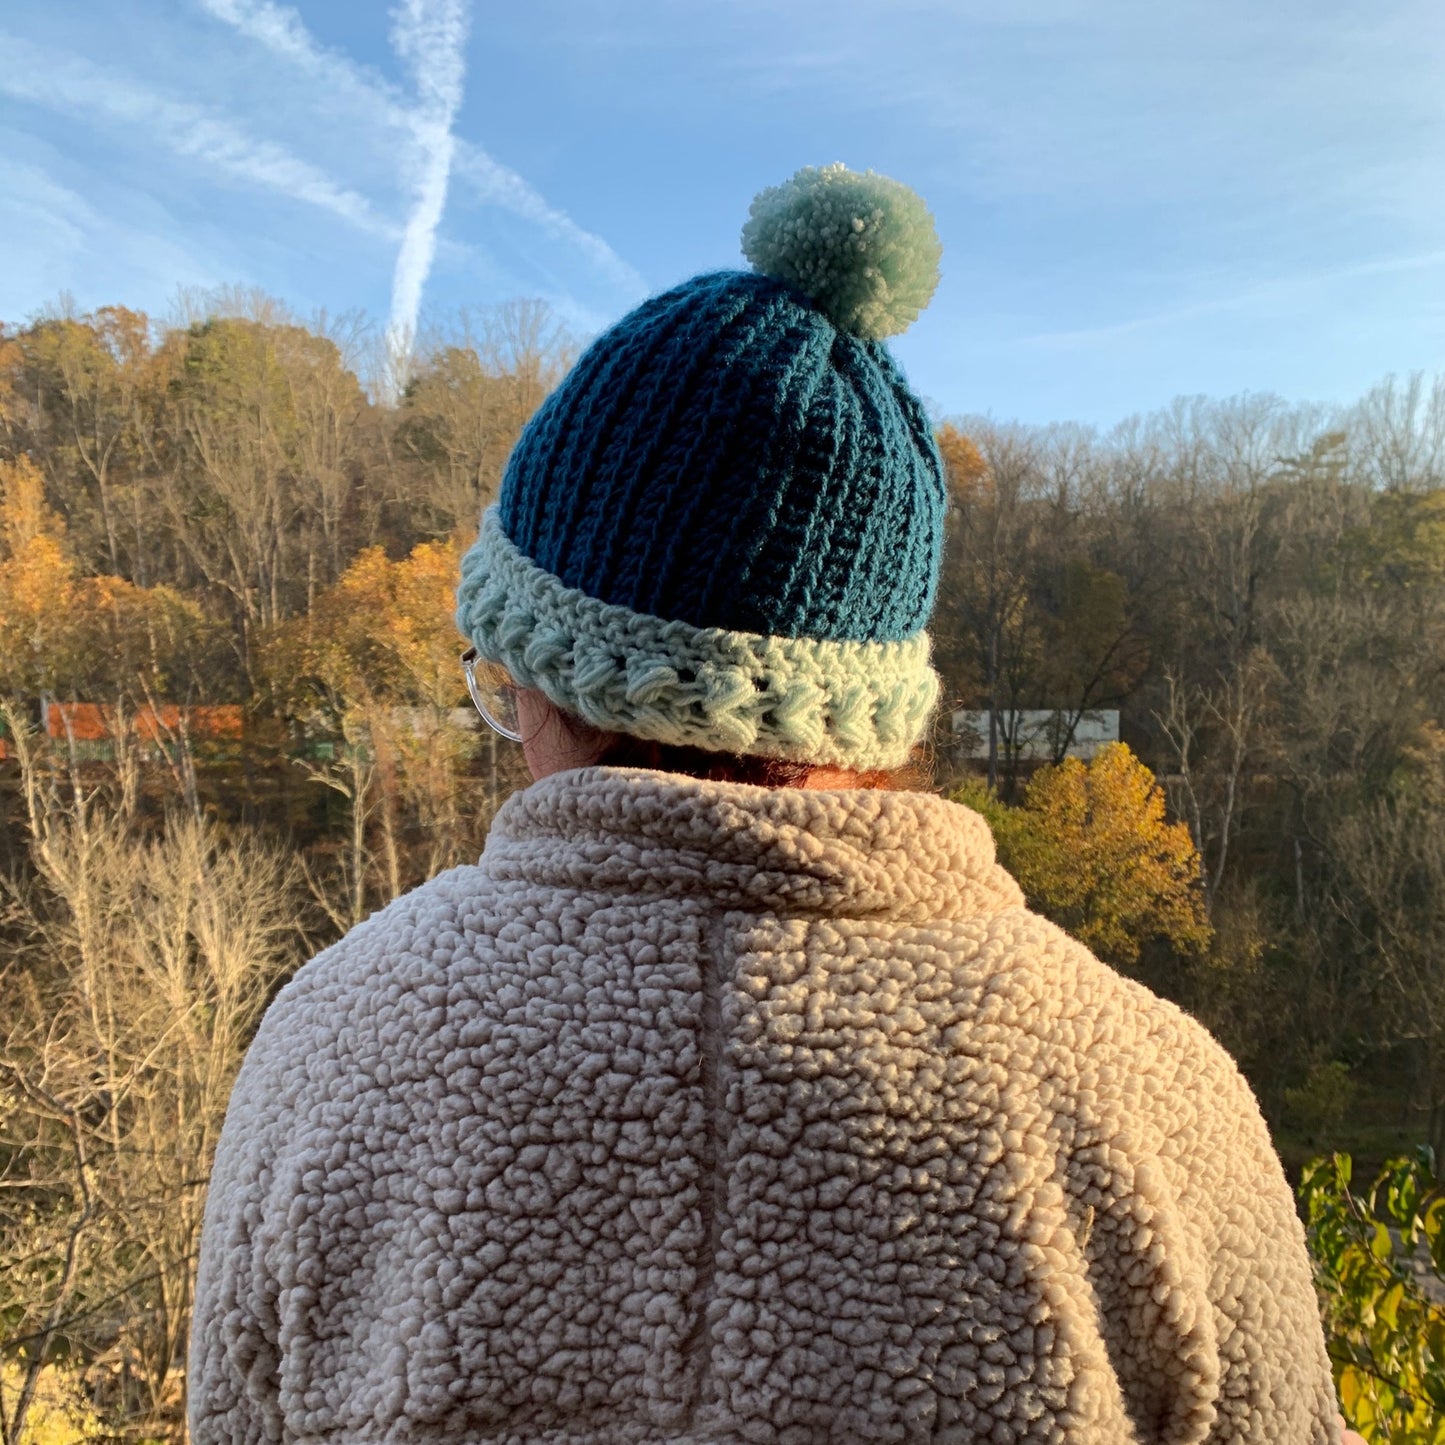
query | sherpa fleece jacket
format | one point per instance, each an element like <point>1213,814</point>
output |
<point>698,1112</point>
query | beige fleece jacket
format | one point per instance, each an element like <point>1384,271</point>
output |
<point>706,1113</point>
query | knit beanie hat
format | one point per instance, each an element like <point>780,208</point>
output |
<point>723,528</point>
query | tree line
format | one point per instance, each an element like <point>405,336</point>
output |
<point>239,509</point>
<point>1258,589</point>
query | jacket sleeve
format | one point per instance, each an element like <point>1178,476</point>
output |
<point>233,1370</point>
<point>1198,1256</point>
<point>1275,1381</point>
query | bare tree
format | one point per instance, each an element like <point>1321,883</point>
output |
<point>86,373</point>
<point>139,969</point>
<point>1212,732</point>
<point>1398,434</point>
<point>474,385</point>
<point>1388,895</point>
<point>986,582</point>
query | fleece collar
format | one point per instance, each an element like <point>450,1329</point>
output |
<point>852,853</point>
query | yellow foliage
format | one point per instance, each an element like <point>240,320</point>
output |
<point>59,1413</point>
<point>38,615</point>
<point>143,630</point>
<point>378,661</point>
<point>64,634</point>
<point>963,463</point>
<point>1093,850</point>
<point>383,632</point>
<point>24,514</point>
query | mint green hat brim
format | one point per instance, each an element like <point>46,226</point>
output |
<point>857,705</point>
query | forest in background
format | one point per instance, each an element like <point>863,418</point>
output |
<point>239,511</point>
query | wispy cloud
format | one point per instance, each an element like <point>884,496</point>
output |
<point>1251,296</point>
<point>501,186</point>
<point>282,31</point>
<point>36,199</point>
<point>430,36</point>
<point>76,86</point>
<point>86,254</point>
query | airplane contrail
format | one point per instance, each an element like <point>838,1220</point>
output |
<point>281,30</point>
<point>430,36</point>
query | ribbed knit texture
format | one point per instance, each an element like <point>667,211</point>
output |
<point>726,457</point>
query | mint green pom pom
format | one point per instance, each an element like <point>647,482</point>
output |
<point>860,245</point>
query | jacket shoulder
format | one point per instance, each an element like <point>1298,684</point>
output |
<point>332,1009</point>
<point>1055,988</point>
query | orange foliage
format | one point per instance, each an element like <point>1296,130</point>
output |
<point>963,463</point>
<point>37,584</point>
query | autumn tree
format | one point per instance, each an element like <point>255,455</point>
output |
<point>261,464</point>
<point>955,647</point>
<point>64,634</point>
<point>83,376</point>
<point>1092,848</point>
<point>473,387</point>
<point>376,662</point>
<point>37,587</point>
<point>382,633</point>
<point>985,587</point>
<point>1030,615</point>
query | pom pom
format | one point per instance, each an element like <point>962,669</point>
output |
<point>862,247</point>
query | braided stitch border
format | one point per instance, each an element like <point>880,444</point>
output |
<point>852,704</point>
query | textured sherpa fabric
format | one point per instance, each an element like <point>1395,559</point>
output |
<point>707,1114</point>
<point>855,704</point>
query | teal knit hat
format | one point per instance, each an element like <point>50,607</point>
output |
<point>723,528</point>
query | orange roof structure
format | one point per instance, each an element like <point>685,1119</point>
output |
<point>96,722</point>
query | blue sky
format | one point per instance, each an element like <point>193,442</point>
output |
<point>1136,200</point>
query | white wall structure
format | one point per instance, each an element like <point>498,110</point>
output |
<point>422,721</point>
<point>1036,731</point>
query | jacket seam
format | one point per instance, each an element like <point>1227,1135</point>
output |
<point>713,1184</point>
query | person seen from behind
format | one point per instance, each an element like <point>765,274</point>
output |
<point>734,1095</point>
